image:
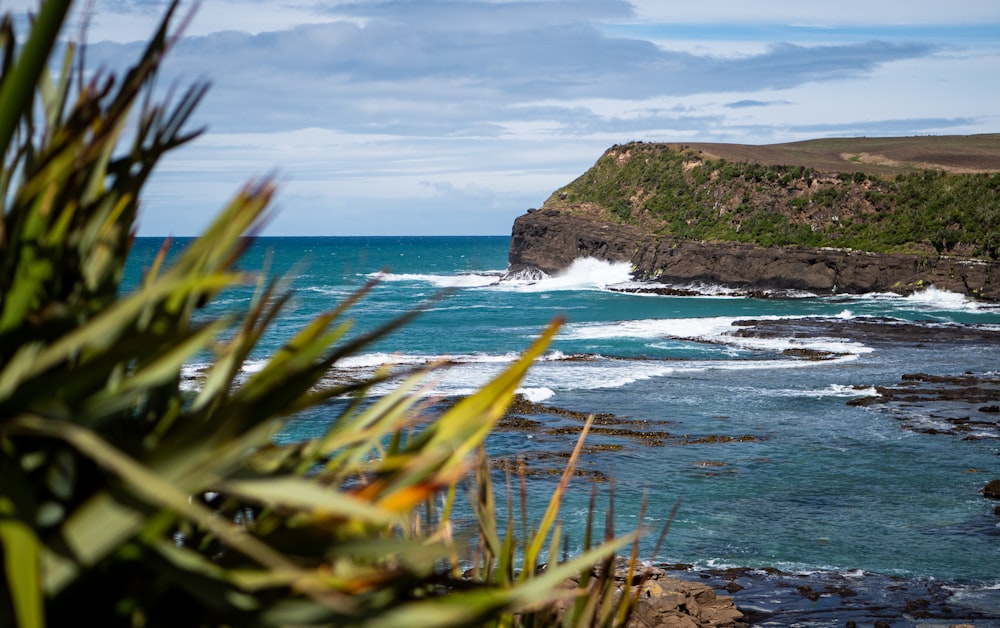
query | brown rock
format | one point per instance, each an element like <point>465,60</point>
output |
<point>992,489</point>
<point>667,602</point>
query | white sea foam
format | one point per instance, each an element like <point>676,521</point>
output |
<point>328,291</point>
<point>586,273</point>
<point>465,307</point>
<point>933,299</point>
<point>607,374</point>
<point>463,280</point>
<point>789,567</point>
<point>466,374</point>
<point>717,330</point>
<point>652,328</point>
<point>746,365</point>
<point>689,291</point>
<point>254,366</point>
<point>704,289</point>
<point>191,375</point>
<point>536,395</point>
<point>818,343</point>
<point>840,390</point>
<point>833,390</point>
<point>554,371</point>
<point>375,360</point>
<point>700,289</point>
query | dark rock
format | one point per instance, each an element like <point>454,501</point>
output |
<point>942,404</point>
<point>771,597</point>
<point>808,592</point>
<point>917,607</point>
<point>548,240</point>
<point>992,489</point>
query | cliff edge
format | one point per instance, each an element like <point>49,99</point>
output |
<point>684,215</point>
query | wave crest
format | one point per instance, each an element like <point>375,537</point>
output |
<point>585,273</point>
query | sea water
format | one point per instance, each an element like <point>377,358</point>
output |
<point>771,465</point>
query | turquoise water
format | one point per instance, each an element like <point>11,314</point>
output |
<point>812,484</point>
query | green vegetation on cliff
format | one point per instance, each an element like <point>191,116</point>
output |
<point>691,193</point>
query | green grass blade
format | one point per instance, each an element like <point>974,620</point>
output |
<point>160,493</point>
<point>552,511</point>
<point>440,452</point>
<point>107,327</point>
<point>304,495</point>
<point>19,87</point>
<point>21,554</point>
<point>462,608</point>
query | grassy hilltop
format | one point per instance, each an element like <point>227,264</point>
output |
<point>908,194</point>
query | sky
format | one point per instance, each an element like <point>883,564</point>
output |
<point>453,117</point>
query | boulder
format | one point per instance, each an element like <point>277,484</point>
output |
<point>673,603</point>
<point>992,489</point>
<point>667,602</point>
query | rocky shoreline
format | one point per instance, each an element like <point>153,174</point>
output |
<point>690,597</point>
<point>964,406</point>
<point>770,597</point>
<point>680,596</point>
<point>549,240</point>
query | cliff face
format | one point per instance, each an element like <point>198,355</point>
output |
<point>735,216</point>
<point>550,239</point>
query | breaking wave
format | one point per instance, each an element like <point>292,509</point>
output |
<point>716,330</point>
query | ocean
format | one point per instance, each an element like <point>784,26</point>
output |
<point>748,410</point>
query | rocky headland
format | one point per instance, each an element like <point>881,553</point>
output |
<point>892,217</point>
<point>549,240</point>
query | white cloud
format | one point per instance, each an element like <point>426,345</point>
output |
<point>378,112</point>
<point>826,14</point>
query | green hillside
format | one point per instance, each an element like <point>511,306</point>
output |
<point>891,194</point>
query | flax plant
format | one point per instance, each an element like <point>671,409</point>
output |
<point>135,501</point>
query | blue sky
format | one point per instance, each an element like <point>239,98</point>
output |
<point>453,117</point>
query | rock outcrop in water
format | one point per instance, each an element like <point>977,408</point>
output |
<point>548,240</point>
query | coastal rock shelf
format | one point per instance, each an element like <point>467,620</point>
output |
<point>966,405</point>
<point>770,597</point>
<point>549,240</point>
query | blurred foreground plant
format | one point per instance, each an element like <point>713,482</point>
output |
<point>126,497</point>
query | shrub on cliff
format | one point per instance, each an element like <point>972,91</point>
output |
<point>135,502</point>
<point>689,195</point>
